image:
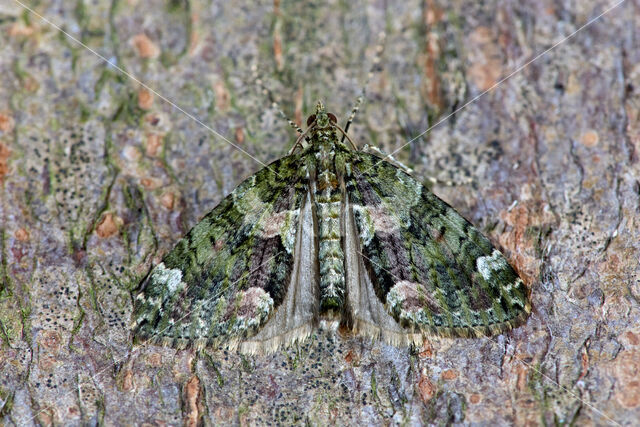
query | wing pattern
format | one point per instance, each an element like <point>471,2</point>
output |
<point>431,268</point>
<point>228,275</point>
<point>250,274</point>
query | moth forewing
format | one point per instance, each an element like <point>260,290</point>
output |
<point>297,316</point>
<point>368,315</point>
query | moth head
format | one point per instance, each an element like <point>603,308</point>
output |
<point>321,118</point>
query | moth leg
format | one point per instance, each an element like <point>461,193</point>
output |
<point>447,182</point>
<point>371,149</point>
<point>344,135</point>
<point>302,136</point>
<point>431,180</point>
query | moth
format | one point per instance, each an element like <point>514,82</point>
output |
<point>328,235</point>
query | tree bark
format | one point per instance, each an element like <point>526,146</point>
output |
<point>105,165</point>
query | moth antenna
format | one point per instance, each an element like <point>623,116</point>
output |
<point>274,103</point>
<point>355,109</point>
<point>374,67</point>
<point>432,180</point>
<point>293,124</point>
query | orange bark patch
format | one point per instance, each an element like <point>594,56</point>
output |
<point>127,380</point>
<point>485,58</point>
<point>192,392</point>
<point>297,114</point>
<point>239,134</point>
<point>430,57</point>
<point>352,358</point>
<point>426,388</point>
<point>145,98</point>
<point>223,99</point>
<point>527,219</point>
<point>522,375</point>
<point>153,120</point>
<point>154,142</point>
<point>631,338</point>
<point>19,29</point>
<point>168,200</point>
<point>144,47</point>
<point>21,234</point>
<point>150,183</point>
<point>590,138</point>
<point>277,47</point>
<point>584,362</point>
<point>108,225</point>
<point>5,152</point>
<point>449,374</point>
<point>426,350</point>
<point>629,395</point>
<point>6,122</point>
<point>626,371</point>
<point>193,42</point>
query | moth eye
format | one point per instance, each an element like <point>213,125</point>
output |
<point>332,118</point>
<point>311,119</point>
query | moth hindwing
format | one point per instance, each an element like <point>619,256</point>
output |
<point>333,234</point>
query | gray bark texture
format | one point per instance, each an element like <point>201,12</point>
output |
<point>100,176</point>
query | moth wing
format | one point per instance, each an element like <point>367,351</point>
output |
<point>429,268</point>
<point>367,312</point>
<point>297,316</point>
<point>232,272</point>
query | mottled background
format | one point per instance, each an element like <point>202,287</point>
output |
<point>100,177</point>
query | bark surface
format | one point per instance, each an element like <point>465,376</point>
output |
<point>100,176</point>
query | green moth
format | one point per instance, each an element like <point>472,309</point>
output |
<point>328,235</point>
